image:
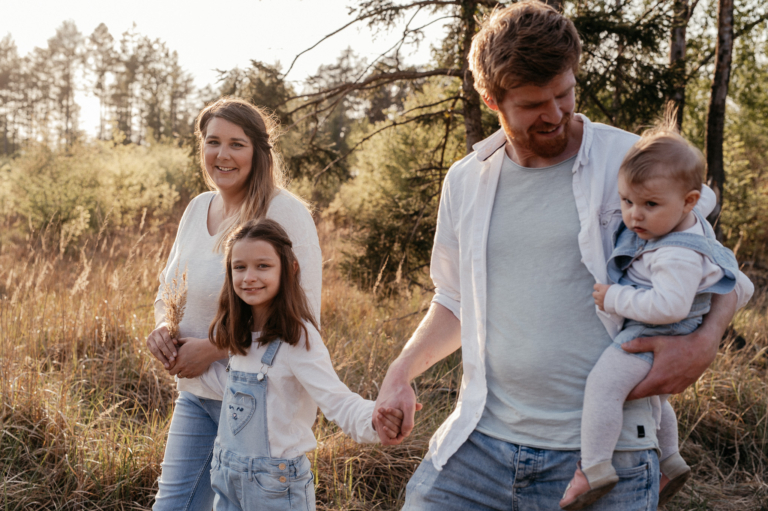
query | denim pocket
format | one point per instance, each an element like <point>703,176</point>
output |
<point>240,408</point>
<point>265,492</point>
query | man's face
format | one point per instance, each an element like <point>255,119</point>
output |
<point>537,119</point>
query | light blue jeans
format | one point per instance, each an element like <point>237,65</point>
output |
<point>489,474</point>
<point>185,480</point>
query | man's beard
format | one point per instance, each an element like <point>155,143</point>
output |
<point>547,148</point>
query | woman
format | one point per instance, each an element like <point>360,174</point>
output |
<point>240,166</point>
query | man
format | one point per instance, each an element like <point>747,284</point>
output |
<point>524,230</point>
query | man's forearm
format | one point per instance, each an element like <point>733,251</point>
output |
<point>438,335</point>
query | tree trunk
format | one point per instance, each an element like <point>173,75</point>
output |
<point>680,19</point>
<point>473,124</point>
<point>716,119</point>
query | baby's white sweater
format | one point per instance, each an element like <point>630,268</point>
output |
<point>674,275</point>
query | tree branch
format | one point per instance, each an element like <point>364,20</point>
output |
<point>743,30</point>
<point>367,15</point>
<point>374,133</point>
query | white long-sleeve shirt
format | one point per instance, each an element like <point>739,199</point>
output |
<point>298,382</point>
<point>674,275</point>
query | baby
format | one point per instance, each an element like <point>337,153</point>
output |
<point>666,264</point>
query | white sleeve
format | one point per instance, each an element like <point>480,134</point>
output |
<point>744,290</point>
<point>675,277</point>
<point>174,250</point>
<point>707,201</point>
<point>314,370</point>
<point>444,266</point>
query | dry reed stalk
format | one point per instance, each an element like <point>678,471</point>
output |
<point>174,298</point>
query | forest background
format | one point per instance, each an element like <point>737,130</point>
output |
<point>87,222</point>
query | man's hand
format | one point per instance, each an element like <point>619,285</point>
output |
<point>438,335</point>
<point>599,295</point>
<point>678,361</point>
<point>162,346</point>
<point>194,357</point>
<point>395,394</point>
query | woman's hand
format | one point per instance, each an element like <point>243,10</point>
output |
<point>162,346</point>
<point>194,357</point>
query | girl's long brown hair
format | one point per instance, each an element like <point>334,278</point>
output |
<point>289,310</point>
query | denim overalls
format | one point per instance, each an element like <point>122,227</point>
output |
<point>629,247</point>
<point>244,476</point>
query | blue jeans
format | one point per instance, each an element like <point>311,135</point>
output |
<point>185,481</point>
<point>490,474</point>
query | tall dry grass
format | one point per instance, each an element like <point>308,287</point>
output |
<point>85,409</point>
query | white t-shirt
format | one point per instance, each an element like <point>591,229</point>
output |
<point>194,249</point>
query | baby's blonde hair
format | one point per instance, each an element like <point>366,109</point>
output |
<point>663,152</point>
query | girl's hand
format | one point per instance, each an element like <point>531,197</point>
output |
<point>194,357</point>
<point>599,295</point>
<point>162,346</point>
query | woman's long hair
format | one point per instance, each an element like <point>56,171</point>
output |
<point>267,177</point>
<point>289,310</point>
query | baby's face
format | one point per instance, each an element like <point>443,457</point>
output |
<point>656,207</point>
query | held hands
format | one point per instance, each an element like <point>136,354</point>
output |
<point>388,423</point>
<point>599,295</point>
<point>396,396</point>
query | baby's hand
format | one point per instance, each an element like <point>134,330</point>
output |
<point>390,420</point>
<point>599,295</point>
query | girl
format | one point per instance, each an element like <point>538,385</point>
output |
<point>244,173</point>
<point>279,369</point>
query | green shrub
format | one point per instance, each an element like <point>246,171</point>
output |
<point>96,184</point>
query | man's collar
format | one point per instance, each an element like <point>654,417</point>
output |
<point>486,148</point>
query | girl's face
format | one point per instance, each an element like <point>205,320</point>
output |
<point>228,154</point>
<point>255,274</point>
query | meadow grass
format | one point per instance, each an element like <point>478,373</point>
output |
<point>85,409</point>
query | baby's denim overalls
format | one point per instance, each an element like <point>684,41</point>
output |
<point>244,475</point>
<point>629,247</point>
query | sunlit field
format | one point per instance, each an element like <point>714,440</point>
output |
<point>85,408</point>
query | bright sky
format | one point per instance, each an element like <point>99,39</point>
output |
<point>211,35</point>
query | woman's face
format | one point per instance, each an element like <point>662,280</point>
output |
<point>228,154</point>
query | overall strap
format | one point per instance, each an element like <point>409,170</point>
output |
<point>269,355</point>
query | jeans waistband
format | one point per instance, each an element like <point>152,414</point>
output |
<point>290,468</point>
